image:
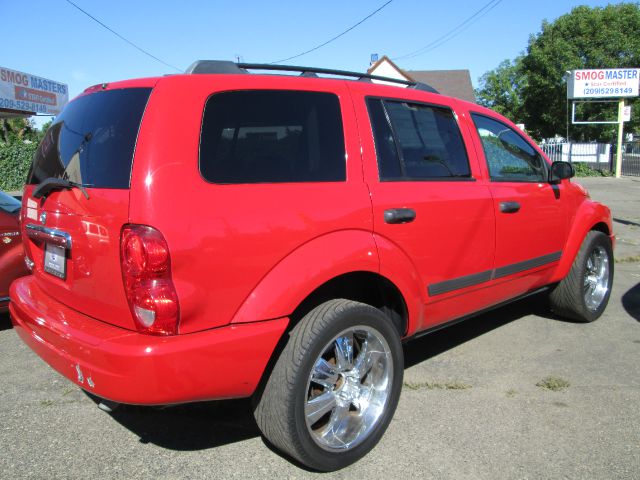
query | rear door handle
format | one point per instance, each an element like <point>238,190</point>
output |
<point>509,207</point>
<point>399,215</point>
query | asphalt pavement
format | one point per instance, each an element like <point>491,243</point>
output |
<point>512,394</point>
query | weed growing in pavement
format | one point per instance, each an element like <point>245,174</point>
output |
<point>633,259</point>
<point>554,384</point>
<point>436,386</point>
<point>511,393</point>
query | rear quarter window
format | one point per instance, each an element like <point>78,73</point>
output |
<point>272,136</point>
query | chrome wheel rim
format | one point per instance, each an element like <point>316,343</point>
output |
<point>596,278</point>
<point>348,388</point>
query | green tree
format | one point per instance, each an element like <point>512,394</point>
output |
<point>532,89</point>
<point>17,130</point>
<point>501,89</point>
<point>585,38</point>
<point>19,139</point>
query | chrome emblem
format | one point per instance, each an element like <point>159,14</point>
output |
<point>6,240</point>
<point>43,218</point>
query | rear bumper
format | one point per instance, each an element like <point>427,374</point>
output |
<point>129,367</point>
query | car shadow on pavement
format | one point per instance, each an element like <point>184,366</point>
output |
<point>205,425</point>
<point>435,343</point>
<point>190,427</point>
<point>5,321</point>
<point>631,302</point>
<point>626,222</point>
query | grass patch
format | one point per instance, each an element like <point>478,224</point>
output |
<point>46,403</point>
<point>511,393</point>
<point>436,386</point>
<point>632,259</point>
<point>555,384</point>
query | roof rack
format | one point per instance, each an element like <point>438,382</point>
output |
<point>229,67</point>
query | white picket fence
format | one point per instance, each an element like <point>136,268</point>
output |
<point>579,152</point>
<point>600,156</point>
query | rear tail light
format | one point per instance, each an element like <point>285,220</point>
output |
<point>146,274</point>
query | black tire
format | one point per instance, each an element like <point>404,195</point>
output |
<point>290,389</point>
<point>569,298</point>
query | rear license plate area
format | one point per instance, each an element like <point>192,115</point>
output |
<point>55,260</point>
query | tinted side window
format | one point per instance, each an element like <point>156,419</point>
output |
<point>93,140</point>
<point>509,156</point>
<point>415,141</point>
<point>272,136</point>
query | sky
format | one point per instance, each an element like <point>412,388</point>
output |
<point>53,39</point>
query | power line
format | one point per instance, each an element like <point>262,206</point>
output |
<point>334,38</point>
<point>122,38</point>
<point>454,32</point>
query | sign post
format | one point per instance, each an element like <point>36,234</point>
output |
<point>620,131</point>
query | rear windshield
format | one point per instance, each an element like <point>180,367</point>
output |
<point>92,141</point>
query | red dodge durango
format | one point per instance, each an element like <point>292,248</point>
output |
<point>226,234</point>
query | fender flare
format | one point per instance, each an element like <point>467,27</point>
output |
<point>290,281</point>
<point>343,252</point>
<point>589,214</point>
<point>397,267</point>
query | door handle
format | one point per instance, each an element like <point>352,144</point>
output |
<point>399,215</point>
<point>509,207</point>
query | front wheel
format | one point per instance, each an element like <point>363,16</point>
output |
<point>335,386</point>
<point>584,293</point>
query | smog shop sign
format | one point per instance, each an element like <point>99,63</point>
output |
<point>24,92</point>
<point>604,83</point>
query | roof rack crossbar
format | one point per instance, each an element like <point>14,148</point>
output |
<point>222,66</point>
<point>325,71</point>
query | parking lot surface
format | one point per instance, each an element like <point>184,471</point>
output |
<point>514,393</point>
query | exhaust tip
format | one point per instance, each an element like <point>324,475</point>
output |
<point>107,405</point>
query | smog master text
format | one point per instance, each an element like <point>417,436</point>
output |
<point>24,93</point>
<point>607,78</point>
<point>22,79</point>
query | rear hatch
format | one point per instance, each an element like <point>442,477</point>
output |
<point>72,232</point>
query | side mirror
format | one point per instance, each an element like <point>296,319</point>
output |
<point>560,170</point>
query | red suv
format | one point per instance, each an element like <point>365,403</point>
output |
<point>221,234</point>
<point>11,252</point>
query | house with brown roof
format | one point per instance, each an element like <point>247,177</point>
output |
<point>453,83</point>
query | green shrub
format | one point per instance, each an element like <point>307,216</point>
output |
<point>584,170</point>
<point>15,160</point>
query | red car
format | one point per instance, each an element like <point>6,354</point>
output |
<point>11,254</point>
<point>220,234</point>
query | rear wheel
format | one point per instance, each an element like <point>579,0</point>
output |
<point>335,387</point>
<point>584,293</point>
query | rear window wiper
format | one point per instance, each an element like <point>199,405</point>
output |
<point>50,184</point>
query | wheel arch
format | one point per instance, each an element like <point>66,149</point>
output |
<point>342,264</point>
<point>590,216</point>
<point>361,286</point>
